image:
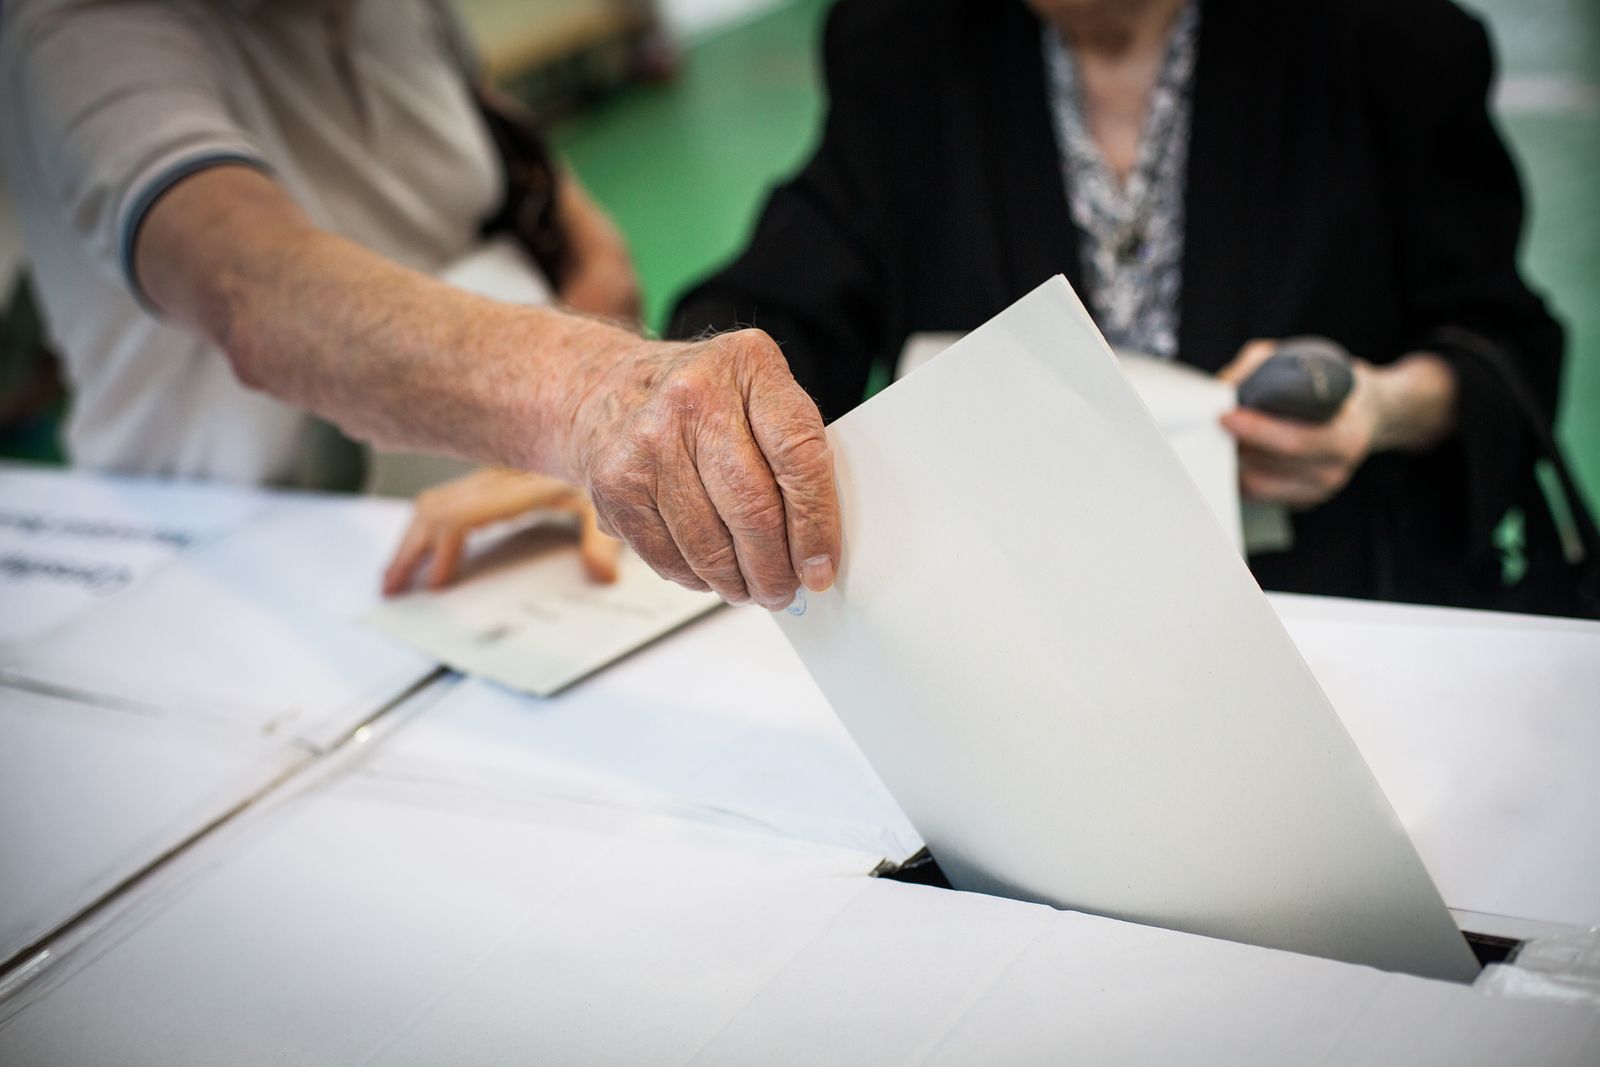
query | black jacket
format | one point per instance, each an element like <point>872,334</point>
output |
<point>1344,179</point>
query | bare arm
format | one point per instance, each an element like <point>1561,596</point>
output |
<point>326,325</point>
<point>1416,403</point>
<point>707,458</point>
<point>601,278</point>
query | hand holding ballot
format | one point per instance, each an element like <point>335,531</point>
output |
<point>446,514</point>
<point>710,461</point>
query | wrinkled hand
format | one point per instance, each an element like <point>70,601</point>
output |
<point>447,513</point>
<point>1298,463</point>
<point>711,462</point>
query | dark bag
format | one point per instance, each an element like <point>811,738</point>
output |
<point>528,205</point>
<point>1583,557</point>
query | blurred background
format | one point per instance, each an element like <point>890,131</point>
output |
<point>678,114</point>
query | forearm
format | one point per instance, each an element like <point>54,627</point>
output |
<point>706,458</point>
<point>1416,403</point>
<point>392,356</point>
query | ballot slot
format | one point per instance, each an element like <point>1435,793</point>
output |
<point>1049,650</point>
<point>1487,947</point>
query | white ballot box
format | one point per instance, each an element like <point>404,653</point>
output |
<point>370,914</point>
<point>1484,730</point>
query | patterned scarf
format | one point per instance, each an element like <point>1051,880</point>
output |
<point>1130,235</point>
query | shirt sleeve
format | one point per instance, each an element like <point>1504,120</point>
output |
<point>115,104</point>
<point>455,37</point>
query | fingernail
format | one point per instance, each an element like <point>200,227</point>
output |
<point>797,606</point>
<point>817,573</point>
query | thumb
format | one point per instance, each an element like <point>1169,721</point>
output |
<point>788,429</point>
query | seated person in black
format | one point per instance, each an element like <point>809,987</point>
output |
<point>1207,175</point>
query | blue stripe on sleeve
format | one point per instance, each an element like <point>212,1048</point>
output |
<point>153,190</point>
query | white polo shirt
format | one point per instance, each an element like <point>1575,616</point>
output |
<point>359,108</point>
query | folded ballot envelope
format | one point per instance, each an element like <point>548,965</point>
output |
<point>524,615</point>
<point>1056,660</point>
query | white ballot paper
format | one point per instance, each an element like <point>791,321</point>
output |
<point>526,616</point>
<point>1047,648</point>
<point>1187,405</point>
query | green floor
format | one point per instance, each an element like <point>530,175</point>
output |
<point>683,166</point>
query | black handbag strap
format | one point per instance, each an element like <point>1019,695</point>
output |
<point>1494,359</point>
<point>530,178</point>
<point>528,205</point>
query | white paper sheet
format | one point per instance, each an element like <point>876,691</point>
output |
<point>90,795</point>
<point>525,615</point>
<point>1485,733</point>
<point>70,540</point>
<point>1080,695</point>
<point>258,629</point>
<point>1186,404</point>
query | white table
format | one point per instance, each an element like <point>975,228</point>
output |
<point>671,862</point>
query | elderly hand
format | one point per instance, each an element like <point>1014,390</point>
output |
<point>711,462</point>
<point>707,458</point>
<point>1408,405</point>
<point>447,513</point>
